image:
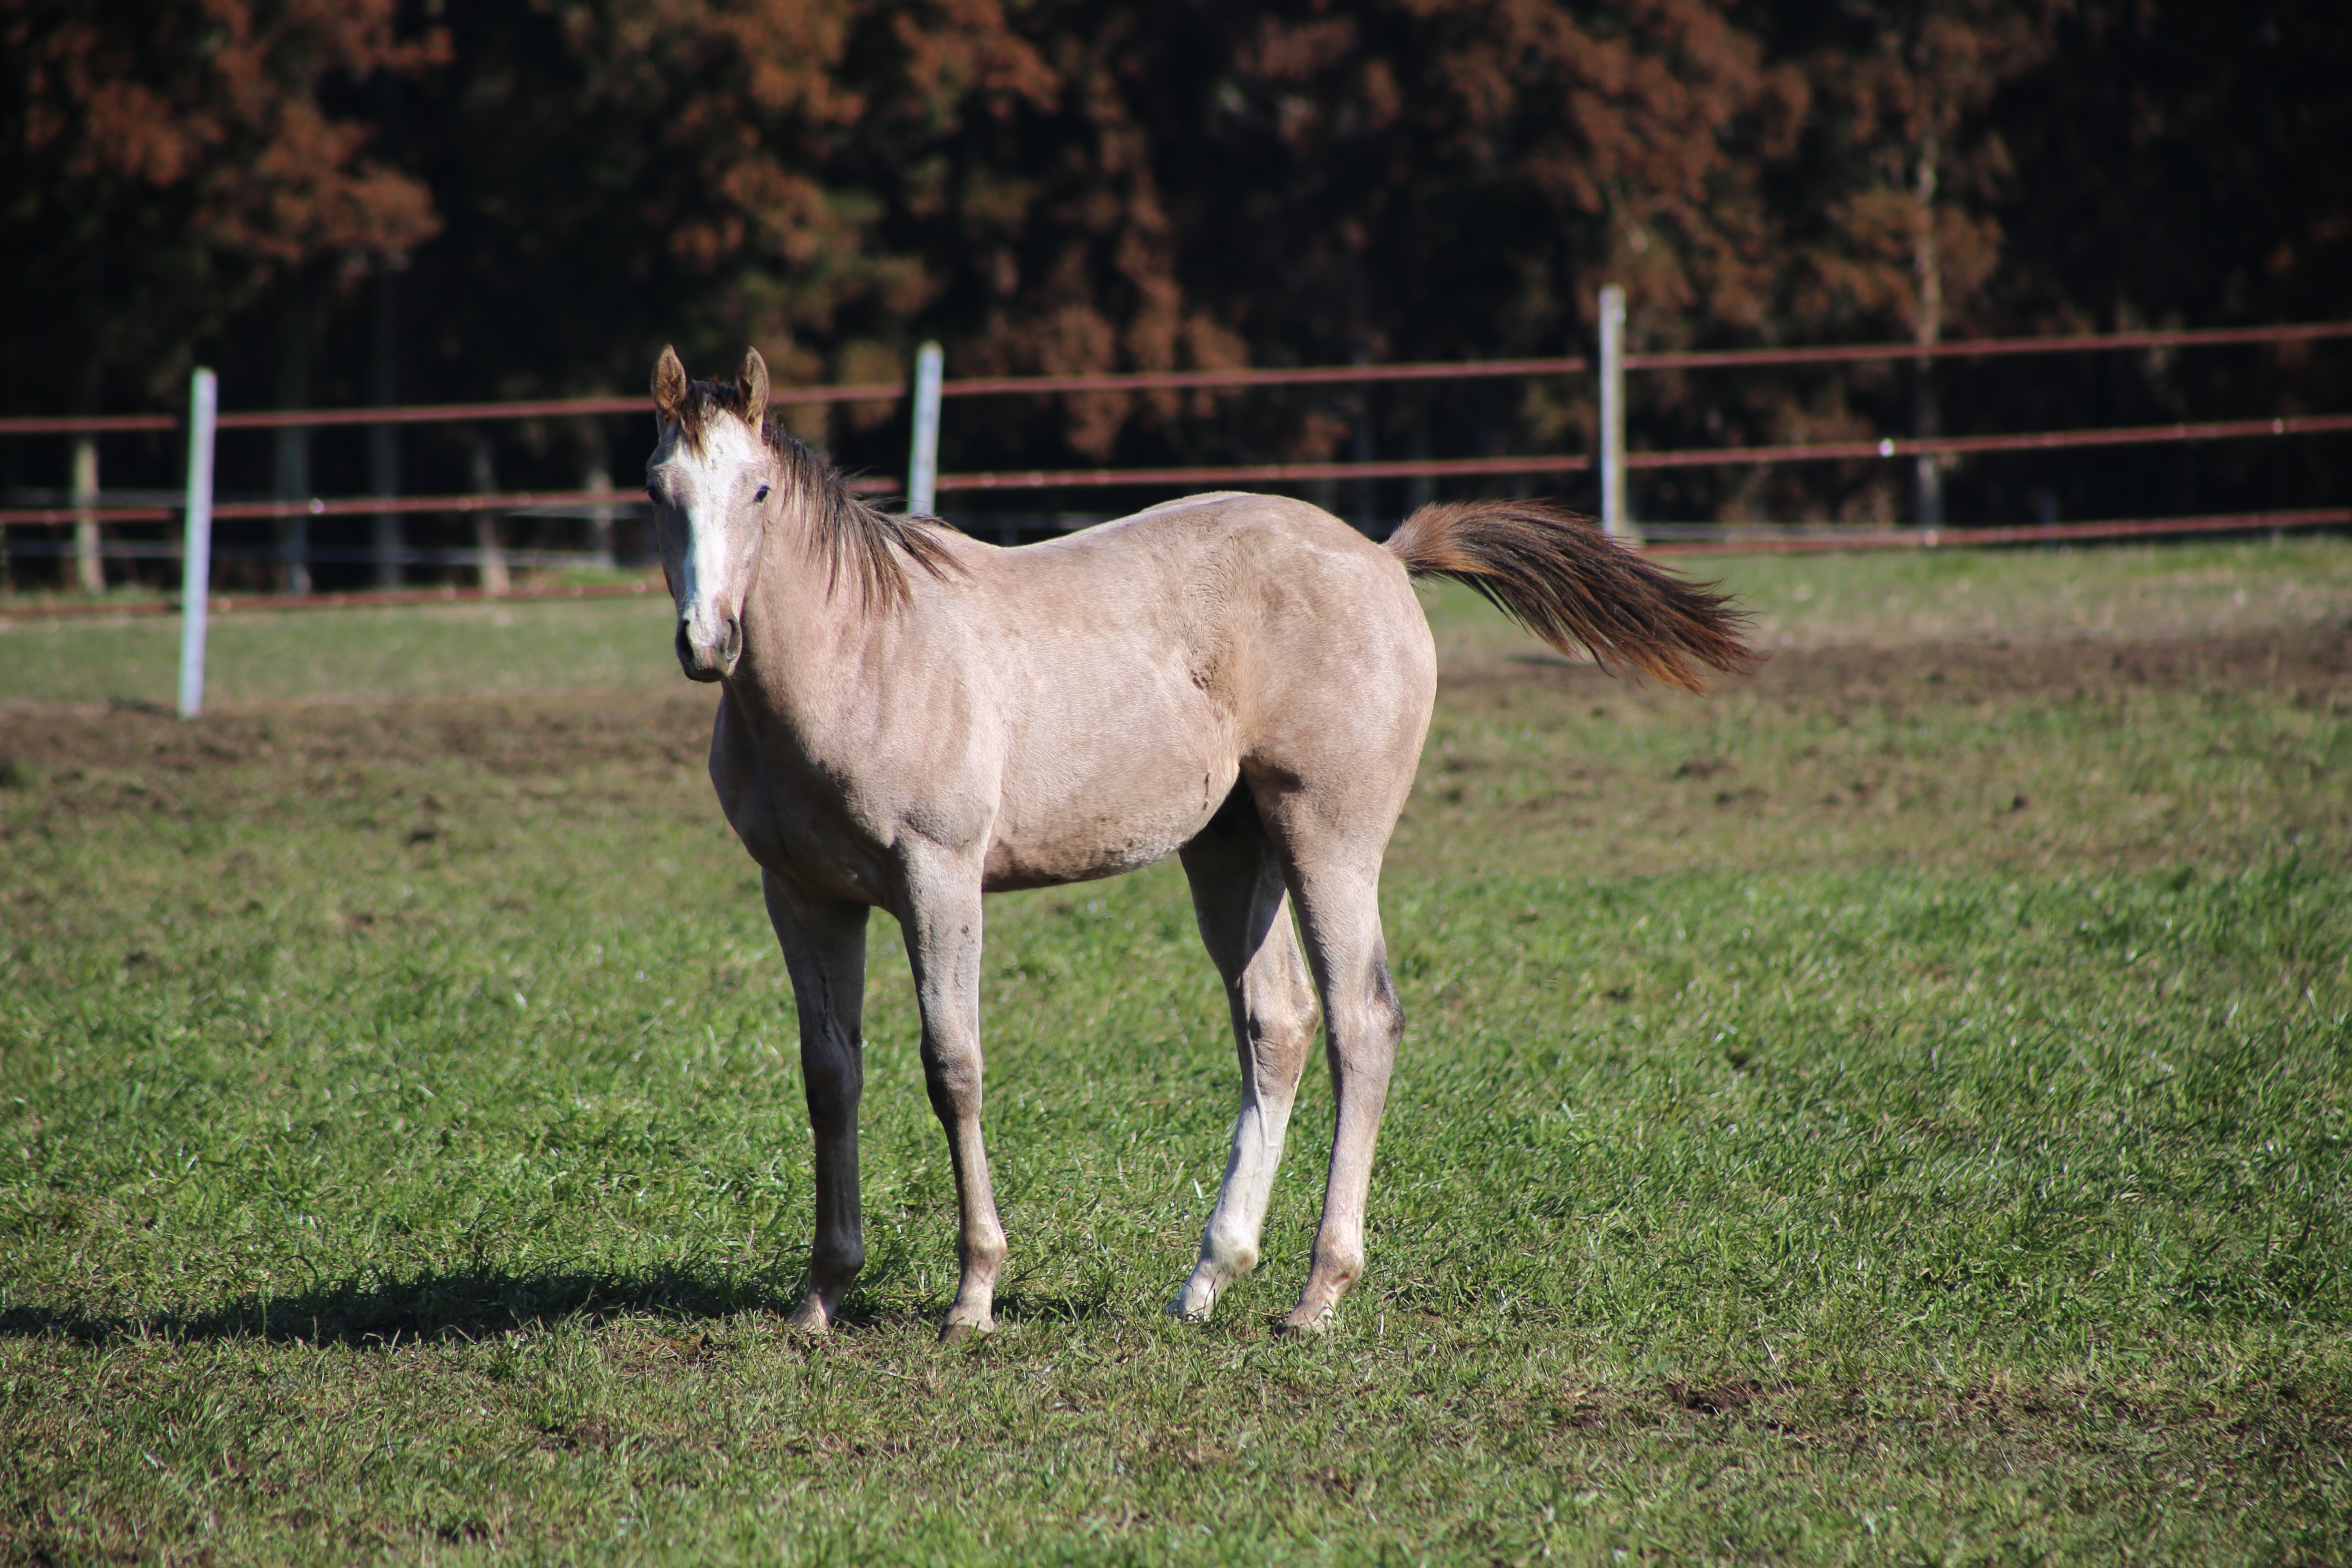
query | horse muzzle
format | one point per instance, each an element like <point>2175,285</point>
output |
<point>705,658</point>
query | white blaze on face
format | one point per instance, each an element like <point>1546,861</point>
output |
<point>714,488</point>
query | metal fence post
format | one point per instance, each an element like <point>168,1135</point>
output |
<point>196,565</point>
<point>1613,518</point>
<point>923,463</point>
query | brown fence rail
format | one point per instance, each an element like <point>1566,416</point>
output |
<point>223,604</point>
<point>1236,376</point>
<point>2030,441</point>
<point>1744,543</point>
<point>1748,543</point>
<point>84,514</point>
<point>1989,348</point>
<point>1823,451</point>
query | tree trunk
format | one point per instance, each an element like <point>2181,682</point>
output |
<point>491,558</point>
<point>1422,489</point>
<point>1363,452</point>
<point>292,443</point>
<point>89,562</point>
<point>383,440</point>
<point>599,483</point>
<point>1927,330</point>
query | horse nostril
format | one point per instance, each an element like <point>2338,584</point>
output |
<point>709,661</point>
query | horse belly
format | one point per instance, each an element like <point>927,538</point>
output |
<point>1118,810</point>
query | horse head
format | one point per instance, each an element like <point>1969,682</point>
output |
<point>715,484</point>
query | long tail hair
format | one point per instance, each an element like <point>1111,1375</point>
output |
<point>1572,585</point>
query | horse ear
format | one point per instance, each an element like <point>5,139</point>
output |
<point>669,384</point>
<point>752,381</point>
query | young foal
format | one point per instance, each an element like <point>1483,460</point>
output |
<point>911,719</point>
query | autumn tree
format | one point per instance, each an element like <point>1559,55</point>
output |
<point>1308,182</point>
<point>165,160</point>
<point>617,175</point>
<point>1911,170</point>
<point>557,187</point>
<point>2185,165</point>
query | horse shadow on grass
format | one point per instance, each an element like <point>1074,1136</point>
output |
<point>480,1301</point>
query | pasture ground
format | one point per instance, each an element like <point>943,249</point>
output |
<point>1894,1111</point>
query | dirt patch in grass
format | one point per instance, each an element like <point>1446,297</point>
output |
<point>502,734</point>
<point>2314,663</point>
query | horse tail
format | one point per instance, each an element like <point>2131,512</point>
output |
<point>1575,587</point>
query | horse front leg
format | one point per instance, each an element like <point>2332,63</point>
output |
<point>824,948</point>
<point>942,923</point>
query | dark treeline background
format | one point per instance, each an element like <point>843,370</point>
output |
<point>338,202</point>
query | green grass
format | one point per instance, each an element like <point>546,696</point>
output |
<point>1889,599</point>
<point>402,1153</point>
<point>2199,590</point>
<point>1899,598</point>
<point>282,656</point>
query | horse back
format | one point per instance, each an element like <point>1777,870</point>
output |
<point>1165,655</point>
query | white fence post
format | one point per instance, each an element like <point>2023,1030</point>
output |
<point>196,565</point>
<point>923,464</point>
<point>1613,518</point>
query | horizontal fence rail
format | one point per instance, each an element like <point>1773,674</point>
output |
<point>86,511</point>
<point>1758,543</point>
<point>1695,456</point>
<point>1263,473</point>
<point>173,550</point>
<point>546,502</point>
<point>86,424</point>
<point>1890,446</point>
<point>223,604</point>
<point>1236,376</point>
<point>96,513</point>
<point>1989,348</point>
<point>1755,539</point>
<point>2032,441</point>
<point>1241,375</point>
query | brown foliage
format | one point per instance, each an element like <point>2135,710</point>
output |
<point>1103,185</point>
<point>222,97</point>
<point>167,157</point>
<point>1911,236</point>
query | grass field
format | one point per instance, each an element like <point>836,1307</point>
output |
<point>1894,1110</point>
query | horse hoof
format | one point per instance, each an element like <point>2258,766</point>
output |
<point>1194,1303</point>
<point>809,1323</point>
<point>1319,1321</point>
<point>955,1333</point>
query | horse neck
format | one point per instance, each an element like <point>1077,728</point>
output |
<point>806,628</point>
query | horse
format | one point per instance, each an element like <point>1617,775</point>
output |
<point>910,719</point>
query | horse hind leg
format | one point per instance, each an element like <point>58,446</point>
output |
<point>1242,906</point>
<point>1338,905</point>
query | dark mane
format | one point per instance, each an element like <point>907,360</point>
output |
<point>869,545</point>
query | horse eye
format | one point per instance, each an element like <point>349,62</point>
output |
<point>763,495</point>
